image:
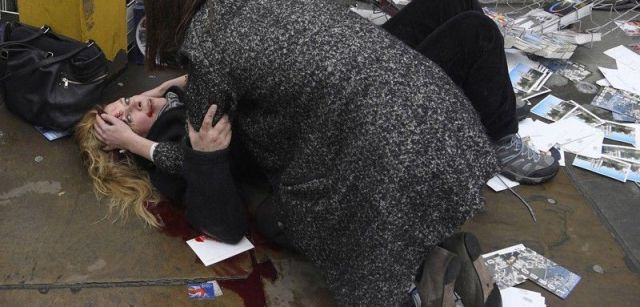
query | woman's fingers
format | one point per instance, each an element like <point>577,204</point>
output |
<point>111,131</point>
<point>107,118</point>
<point>207,122</point>
<point>211,138</point>
<point>221,125</point>
<point>193,134</point>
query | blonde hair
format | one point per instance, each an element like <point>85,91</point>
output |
<point>115,175</point>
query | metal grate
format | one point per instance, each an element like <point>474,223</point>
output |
<point>8,7</point>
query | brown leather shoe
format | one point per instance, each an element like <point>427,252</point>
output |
<point>437,280</point>
<point>475,284</point>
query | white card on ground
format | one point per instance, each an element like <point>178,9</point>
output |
<point>210,251</point>
<point>590,146</point>
<point>499,185</point>
<point>603,82</point>
<point>516,297</point>
<point>538,134</point>
<point>620,80</point>
<point>626,56</point>
<point>572,129</point>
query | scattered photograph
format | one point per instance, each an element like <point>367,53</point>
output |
<point>501,266</point>
<point>618,101</point>
<point>534,93</point>
<point>623,118</point>
<point>499,18</point>
<point>573,71</point>
<point>564,7</point>
<point>607,98</point>
<point>53,135</point>
<point>625,153</point>
<point>628,107</point>
<point>546,273</point>
<point>583,115</point>
<point>525,78</point>
<point>605,166</point>
<point>553,108</point>
<point>630,28</point>
<point>538,21</point>
<point>634,172</point>
<point>621,133</point>
<point>515,264</point>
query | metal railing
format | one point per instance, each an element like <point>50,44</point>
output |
<point>8,7</point>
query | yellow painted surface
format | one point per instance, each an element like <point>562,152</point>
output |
<point>104,21</point>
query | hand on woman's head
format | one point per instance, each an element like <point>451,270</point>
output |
<point>113,132</point>
<point>139,112</point>
<point>210,137</point>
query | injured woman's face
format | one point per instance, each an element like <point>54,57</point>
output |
<point>139,112</point>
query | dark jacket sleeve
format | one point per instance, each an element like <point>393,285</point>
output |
<point>168,131</point>
<point>213,204</point>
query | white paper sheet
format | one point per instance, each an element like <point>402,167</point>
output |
<point>621,79</point>
<point>211,251</point>
<point>625,56</point>
<point>561,161</point>
<point>590,146</point>
<point>603,82</point>
<point>498,185</point>
<point>516,297</point>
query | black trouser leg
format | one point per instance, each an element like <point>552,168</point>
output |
<point>421,17</point>
<point>469,47</point>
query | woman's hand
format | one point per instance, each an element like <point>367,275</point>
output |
<point>211,138</point>
<point>113,132</point>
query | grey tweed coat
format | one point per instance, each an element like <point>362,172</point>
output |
<point>379,156</point>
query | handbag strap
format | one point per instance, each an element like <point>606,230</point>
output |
<point>48,61</point>
<point>44,30</point>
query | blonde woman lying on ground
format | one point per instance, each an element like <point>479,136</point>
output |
<point>125,172</point>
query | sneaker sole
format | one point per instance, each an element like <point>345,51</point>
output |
<point>525,179</point>
<point>472,253</point>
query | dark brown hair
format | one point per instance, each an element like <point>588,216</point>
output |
<point>166,23</point>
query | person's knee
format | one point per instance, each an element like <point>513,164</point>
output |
<point>481,28</point>
<point>478,21</point>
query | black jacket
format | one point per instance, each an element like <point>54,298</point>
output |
<point>205,185</point>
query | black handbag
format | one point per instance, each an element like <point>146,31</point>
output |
<point>47,79</point>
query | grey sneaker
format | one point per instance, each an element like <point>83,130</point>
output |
<point>522,164</point>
